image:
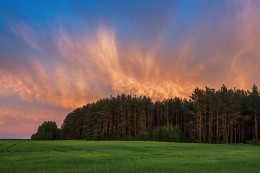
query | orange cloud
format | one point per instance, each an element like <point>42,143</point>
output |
<point>245,61</point>
<point>139,74</point>
<point>2,123</point>
<point>88,67</point>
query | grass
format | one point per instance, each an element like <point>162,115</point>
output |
<point>123,157</point>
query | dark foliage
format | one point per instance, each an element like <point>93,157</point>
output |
<point>47,131</point>
<point>168,133</point>
<point>209,116</point>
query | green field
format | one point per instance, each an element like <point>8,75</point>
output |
<point>121,156</point>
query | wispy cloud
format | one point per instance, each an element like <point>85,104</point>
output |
<point>26,33</point>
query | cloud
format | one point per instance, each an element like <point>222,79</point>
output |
<point>130,71</point>
<point>87,67</point>
<point>91,68</point>
<point>26,33</point>
<point>2,123</point>
<point>245,60</point>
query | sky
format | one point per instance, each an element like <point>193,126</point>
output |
<point>57,55</point>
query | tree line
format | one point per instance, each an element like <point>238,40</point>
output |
<point>208,116</point>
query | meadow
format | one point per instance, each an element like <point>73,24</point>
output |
<point>18,156</point>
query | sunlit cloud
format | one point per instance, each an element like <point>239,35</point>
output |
<point>92,65</point>
<point>246,61</point>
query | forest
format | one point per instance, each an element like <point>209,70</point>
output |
<point>208,116</point>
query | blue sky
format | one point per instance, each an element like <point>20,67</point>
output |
<point>58,55</point>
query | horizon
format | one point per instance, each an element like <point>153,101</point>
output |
<point>56,56</point>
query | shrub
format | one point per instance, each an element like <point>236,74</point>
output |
<point>144,136</point>
<point>167,133</point>
<point>253,141</point>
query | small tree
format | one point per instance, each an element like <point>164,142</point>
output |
<point>47,131</point>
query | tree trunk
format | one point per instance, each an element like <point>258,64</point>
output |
<point>256,126</point>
